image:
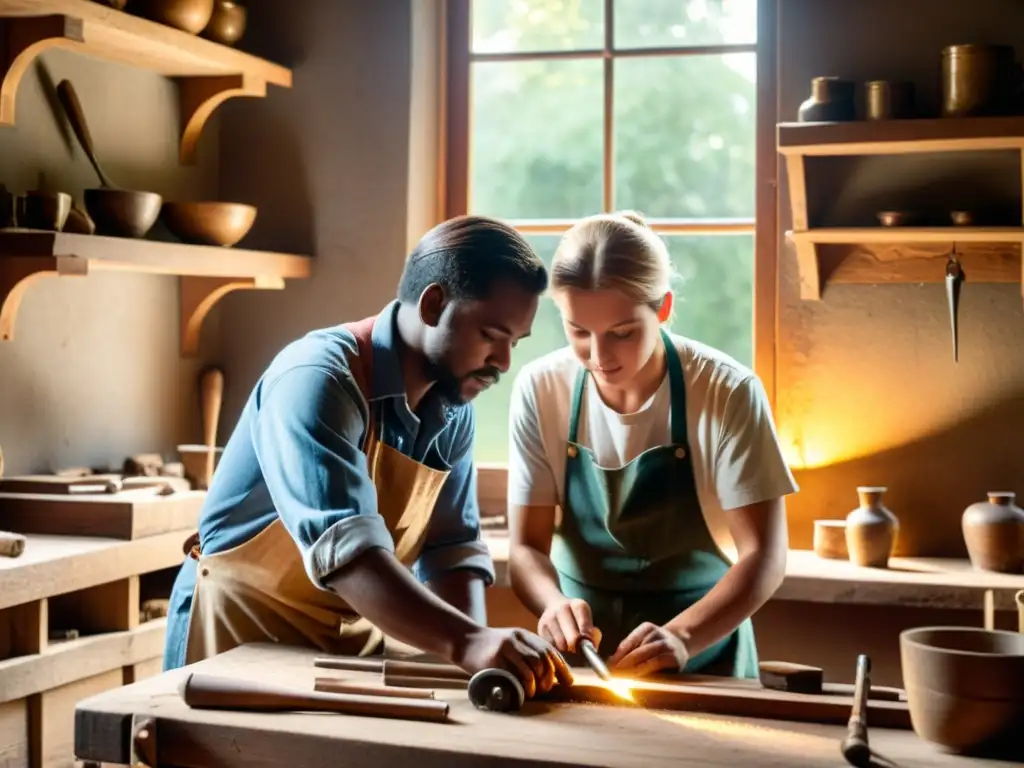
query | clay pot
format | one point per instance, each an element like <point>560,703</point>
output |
<point>830,539</point>
<point>227,25</point>
<point>871,529</point>
<point>994,533</point>
<point>190,16</point>
<point>831,100</point>
<point>965,685</point>
<point>39,209</point>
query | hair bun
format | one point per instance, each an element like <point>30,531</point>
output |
<point>636,218</point>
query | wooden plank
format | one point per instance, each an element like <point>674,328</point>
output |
<point>126,254</point>
<point>132,514</point>
<point>543,734</point>
<point>945,235</point>
<point>883,264</point>
<point>910,581</point>
<point>52,719</point>
<point>55,565</point>
<point>117,36</point>
<point>14,750</point>
<point>862,137</point>
<point>70,660</point>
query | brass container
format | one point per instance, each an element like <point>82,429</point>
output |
<point>978,80</point>
<point>227,25</point>
<point>887,100</point>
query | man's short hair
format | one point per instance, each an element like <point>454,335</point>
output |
<point>466,255</point>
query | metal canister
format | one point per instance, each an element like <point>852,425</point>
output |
<point>888,100</point>
<point>977,79</point>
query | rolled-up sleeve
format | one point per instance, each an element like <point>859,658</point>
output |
<point>453,539</point>
<point>306,432</point>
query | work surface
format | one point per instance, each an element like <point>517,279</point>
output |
<point>542,734</point>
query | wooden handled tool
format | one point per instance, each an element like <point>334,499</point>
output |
<point>210,692</point>
<point>803,678</point>
<point>855,746</point>
<point>211,385</point>
<point>419,681</point>
<point>211,394</point>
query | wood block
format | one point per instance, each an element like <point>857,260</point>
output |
<point>52,719</point>
<point>14,750</point>
<point>130,514</point>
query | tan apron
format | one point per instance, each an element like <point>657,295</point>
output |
<point>259,591</point>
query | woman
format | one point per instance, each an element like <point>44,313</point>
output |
<point>641,437</point>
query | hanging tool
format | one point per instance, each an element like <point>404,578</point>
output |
<point>594,660</point>
<point>855,746</point>
<point>955,277</point>
<point>496,690</point>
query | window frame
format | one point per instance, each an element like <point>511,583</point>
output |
<point>454,177</point>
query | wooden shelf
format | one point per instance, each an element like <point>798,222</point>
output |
<point>208,73</point>
<point>53,565</point>
<point>207,273</point>
<point>921,582</point>
<point>883,137</point>
<point>889,255</point>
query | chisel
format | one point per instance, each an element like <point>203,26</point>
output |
<point>596,662</point>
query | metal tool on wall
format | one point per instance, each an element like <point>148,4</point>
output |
<point>955,277</point>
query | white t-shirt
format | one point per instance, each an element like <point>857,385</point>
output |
<point>734,447</point>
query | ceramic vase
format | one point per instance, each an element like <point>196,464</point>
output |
<point>994,533</point>
<point>832,100</point>
<point>871,529</point>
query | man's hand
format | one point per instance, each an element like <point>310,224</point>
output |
<point>565,622</point>
<point>649,649</point>
<point>533,660</point>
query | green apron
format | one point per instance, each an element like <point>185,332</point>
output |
<point>633,543</point>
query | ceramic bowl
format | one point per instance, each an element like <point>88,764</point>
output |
<point>965,685</point>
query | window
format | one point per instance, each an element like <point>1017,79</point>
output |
<point>563,108</point>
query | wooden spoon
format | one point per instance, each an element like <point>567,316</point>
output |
<point>76,116</point>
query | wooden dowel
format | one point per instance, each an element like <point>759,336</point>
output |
<point>393,666</point>
<point>11,544</point>
<point>420,669</point>
<point>417,681</point>
<point>211,692</point>
<point>349,663</point>
<point>334,685</point>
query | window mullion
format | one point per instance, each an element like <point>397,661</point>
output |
<point>608,176</point>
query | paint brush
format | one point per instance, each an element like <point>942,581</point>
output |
<point>594,660</point>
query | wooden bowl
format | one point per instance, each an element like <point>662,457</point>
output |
<point>122,212</point>
<point>965,685</point>
<point>209,223</point>
<point>190,16</point>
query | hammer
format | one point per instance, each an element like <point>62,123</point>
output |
<point>855,746</point>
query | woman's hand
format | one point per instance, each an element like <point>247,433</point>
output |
<point>564,622</point>
<point>649,649</point>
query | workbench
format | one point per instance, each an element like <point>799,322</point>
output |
<point>542,734</point>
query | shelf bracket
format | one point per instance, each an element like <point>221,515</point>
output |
<point>26,38</point>
<point>200,96</point>
<point>198,295</point>
<point>17,273</point>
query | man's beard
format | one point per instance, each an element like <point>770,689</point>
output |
<point>449,386</point>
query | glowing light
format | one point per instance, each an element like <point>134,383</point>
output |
<point>621,688</point>
<point>796,741</point>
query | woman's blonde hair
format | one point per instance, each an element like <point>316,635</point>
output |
<point>614,251</point>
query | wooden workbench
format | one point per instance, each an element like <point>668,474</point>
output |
<point>541,735</point>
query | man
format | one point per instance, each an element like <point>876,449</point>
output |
<point>352,460</point>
